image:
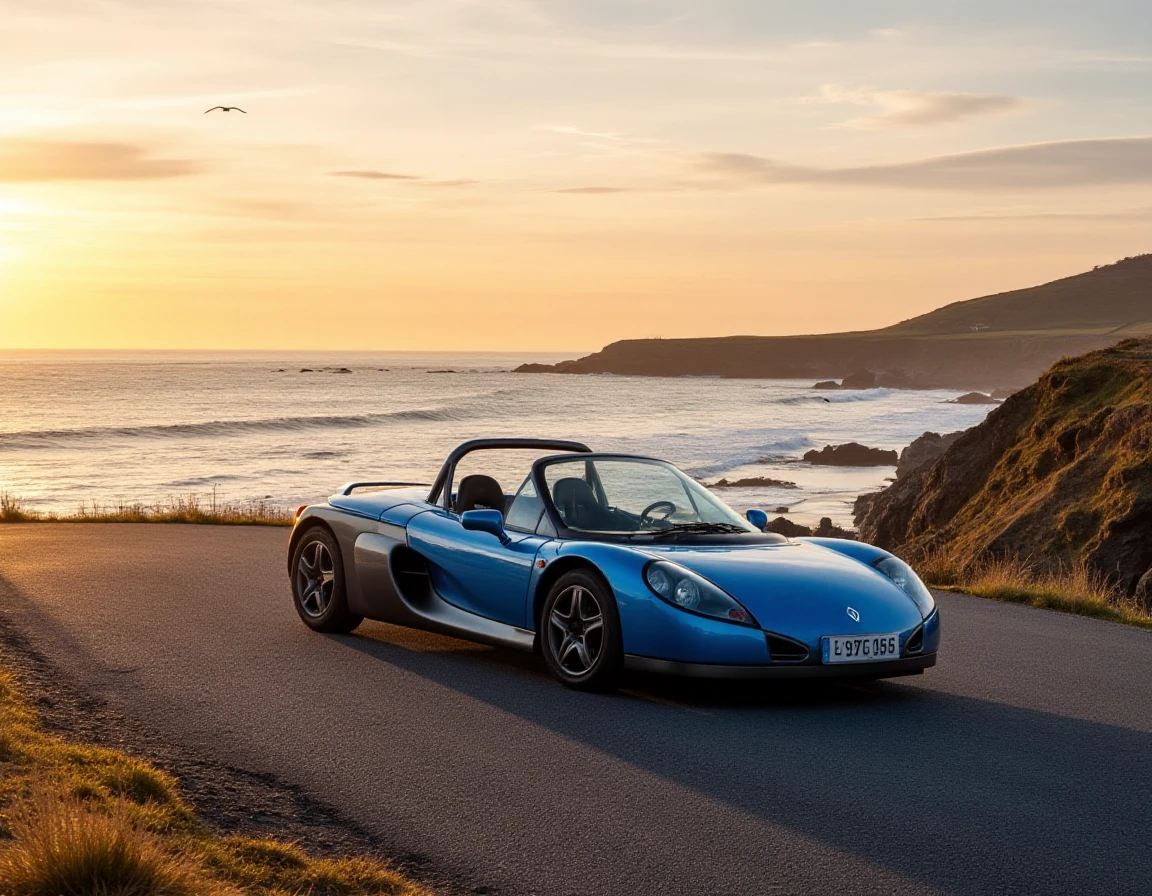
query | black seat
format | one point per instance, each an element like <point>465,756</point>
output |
<point>478,492</point>
<point>578,506</point>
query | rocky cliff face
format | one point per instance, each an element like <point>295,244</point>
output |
<point>926,448</point>
<point>1060,473</point>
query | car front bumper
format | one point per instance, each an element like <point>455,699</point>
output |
<point>910,665</point>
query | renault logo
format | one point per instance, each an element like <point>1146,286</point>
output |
<point>854,614</point>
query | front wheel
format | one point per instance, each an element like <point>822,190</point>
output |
<point>318,584</point>
<point>580,633</point>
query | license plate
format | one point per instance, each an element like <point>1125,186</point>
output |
<point>860,648</point>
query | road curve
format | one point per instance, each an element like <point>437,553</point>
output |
<point>1021,764</point>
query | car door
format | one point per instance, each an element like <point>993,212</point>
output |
<point>475,571</point>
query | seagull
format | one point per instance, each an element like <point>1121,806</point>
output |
<point>225,109</point>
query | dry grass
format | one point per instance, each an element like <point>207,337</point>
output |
<point>61,847</point>
<point>79,820</point>
<point>13,510</point>
<point>186,509</point>
<point>1076,589</point>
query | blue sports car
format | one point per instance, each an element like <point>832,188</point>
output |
<point>607,562</point>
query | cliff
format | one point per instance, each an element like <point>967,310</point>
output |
<point>1005,340</point>
<point>1061,473</point>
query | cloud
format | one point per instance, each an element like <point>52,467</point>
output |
<point>595,190</point>
<point>911,108</point>
<point>412,179</point>
<point>32,161</point>
<point>374,175</point>
<point>1067,163</point>
<point>458,182</point>
<point>1131,214</point>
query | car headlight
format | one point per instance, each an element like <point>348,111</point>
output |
<point>686,590</point>
<point>908,582</point>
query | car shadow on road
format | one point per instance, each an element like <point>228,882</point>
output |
<point>965,794</point>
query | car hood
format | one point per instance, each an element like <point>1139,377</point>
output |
<point>801,590</point>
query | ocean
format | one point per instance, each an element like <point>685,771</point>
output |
<point>79,429</point>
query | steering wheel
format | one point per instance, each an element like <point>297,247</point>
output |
<point>667,506</point>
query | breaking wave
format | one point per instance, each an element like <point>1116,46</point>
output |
<point>48,438</point>
<point>832,397</point>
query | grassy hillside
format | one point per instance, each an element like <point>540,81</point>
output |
<point>1059,477</point>
<point>1114,299</point>
<point>1006,340</point>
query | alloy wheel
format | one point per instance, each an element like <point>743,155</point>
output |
<point>576,630</point>
<point>315,578</point>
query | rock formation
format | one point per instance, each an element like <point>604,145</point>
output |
<point>926,448</point>
<point>851,455</point>
<point>975,398</point>
<point>754,482</point>
<point>1061,474</point>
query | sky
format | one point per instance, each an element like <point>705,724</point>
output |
<point>553,175</point>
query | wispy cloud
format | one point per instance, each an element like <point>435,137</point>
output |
<point>374,175</point>
<point>31,161</point>
<point>595,190</point>
<point>1129,214</point>
<point>1068,163</point>
<point>413,179</point>
<point>458,182</point>
<point>912,108</point>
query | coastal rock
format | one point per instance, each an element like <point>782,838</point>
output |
<point>787,528</point>
<point>825,529</point>
<point>974,398</point>
<point>852,454</point>
<point>862,505</point>
<point>754,482</point>
<point>827,384</point>
<point>1060,473</point>
<point>926,448</point>
<point>561,367</point>
<point>865,379</point>
<point>1143,593</point>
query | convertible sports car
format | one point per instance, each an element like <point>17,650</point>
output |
<point>607,562</point>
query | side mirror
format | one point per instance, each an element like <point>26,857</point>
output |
<point>490,521</point>
<point>757,518</point>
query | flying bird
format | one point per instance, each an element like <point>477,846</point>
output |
<point>225,109</point>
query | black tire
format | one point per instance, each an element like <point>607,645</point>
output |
<point>318,589</point>
<point>580,633</point>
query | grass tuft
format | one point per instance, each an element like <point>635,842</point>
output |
<point>63,848</point>
<point>1077,589</point>
<point>13,509</point>
<point>81,820</point>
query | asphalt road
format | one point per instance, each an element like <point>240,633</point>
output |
<point>1021,764</point>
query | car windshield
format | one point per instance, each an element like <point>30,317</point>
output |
<point>635,496</point>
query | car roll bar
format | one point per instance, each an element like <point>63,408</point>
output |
<point>442,486</point>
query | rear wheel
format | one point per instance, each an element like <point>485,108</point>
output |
<point>318,583</point>
<point>580,633</point>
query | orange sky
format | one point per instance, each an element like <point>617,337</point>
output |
<point>507,174</point>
